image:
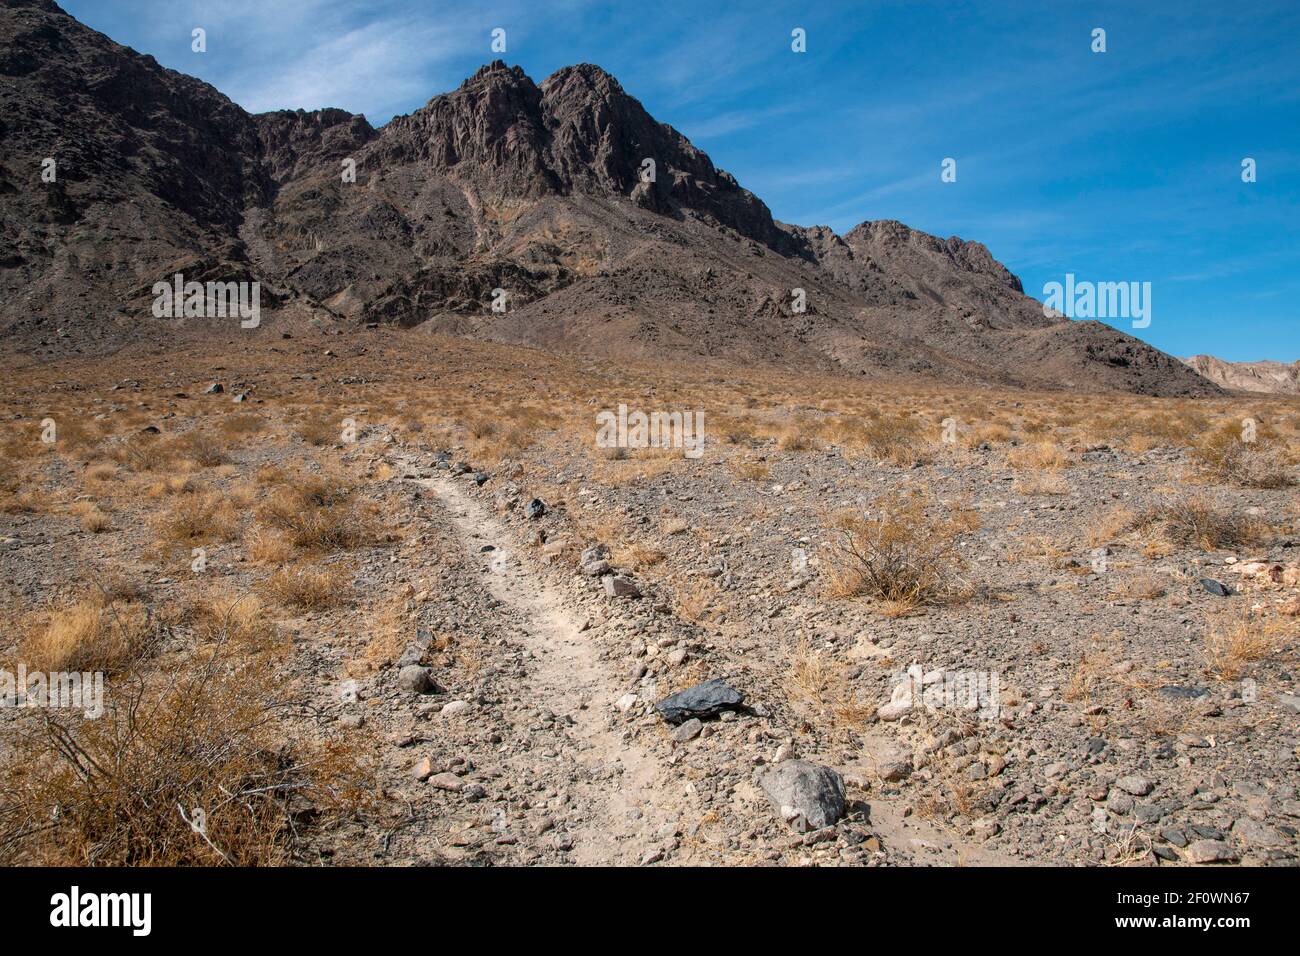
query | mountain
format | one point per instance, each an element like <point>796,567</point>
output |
<point>1275,378</point>
<point>537,190</point>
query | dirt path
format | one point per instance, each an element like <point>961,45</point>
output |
<point>624,808</point>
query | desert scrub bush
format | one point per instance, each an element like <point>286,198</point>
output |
<point>143,452</point>
<point>305,588</point>
<point>101,632</point>
<point>1039,456</point>
<point>318,429</point>
<point>197,517</point>
<point>749,470</point>
<point>1196,521</point>
<point>896,438</point>
<point>186,767</point>
<point>240,620</point>
<point>319,513</point>
<point>91,518</point>
<point>1226,456</point>
<point>236,426</point>
<point>903,552</point>
<point>822,689</point>
<point>1234,643</point>
<point>201,447</point>
<point>734,430</point>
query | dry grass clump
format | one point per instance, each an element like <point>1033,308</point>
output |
<point>1223,455</point>
<point>1039,456</point>
<point>733,429</point>
<point>898,438</point>
<point>239,619</point>
<point>265,546</point>
<point>102,632</point>
<point>1141,586</point>
<point>821,690</point>
<point>184,768</point>
<point>319,513</point>
<point>90,516</point>
<point>1233,643</point>
<point>173,485</point>
<point>196,518</point>
<point>319,429</point>
<point>750,470</point>
<point>100,475</point>
<point>201,447</point>
<point>306,588</point>
<point>1195,521</point>
<point>144,452</point>
<point>904,552</point>
<point>236,426</point>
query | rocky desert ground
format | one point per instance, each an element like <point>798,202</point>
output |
<point>382,597</point>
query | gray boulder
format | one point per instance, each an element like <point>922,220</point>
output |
<point>416,679</point>
<point>806,795</point>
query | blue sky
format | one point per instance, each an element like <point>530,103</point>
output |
<point>1115,166</point>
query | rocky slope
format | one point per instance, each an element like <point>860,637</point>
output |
<point>1276,378</point>
<point>537,190</point>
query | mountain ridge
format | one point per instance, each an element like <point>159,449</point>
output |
<point>502,183</point>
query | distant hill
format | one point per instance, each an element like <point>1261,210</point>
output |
<point>1277,378</point>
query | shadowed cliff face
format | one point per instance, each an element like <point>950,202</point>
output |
<point>540,191</point>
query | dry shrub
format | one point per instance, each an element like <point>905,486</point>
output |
<point>195,518</point>
<point>904,551</point>
<point>822,691</point>
<point>1040,456</point>
<point>1048,483</point>
<point>100,474</point>
<point>90,516</point>
<point>734,430</point>
<point>174,485</point>
<point>144,452</point>
<point>695,601</point>
<point>306,588</point>
<point>1141,586</point>
<point>239,619</point>
<point>318,429</point>
<point>1108,527</point>
<point>318,514</point>
<point>1195,521</point>
<point>897,438</point>
<point>246,424</point>
<point>1233,643</point>
<point>201,447</point>
<point>795,438</point>
<point>1224,456</point>
<point>184,768</point>
<point>264,546</point>
<point>99,633</point>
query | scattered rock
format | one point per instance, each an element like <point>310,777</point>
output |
<point>806,795</point>
<point>688,730</point>
<point>616,585</point>
<point>416,679</point>
<point>1210,851</point>
<point>1217,588</point>
<point>1136,785</point>
<point>703,700</point>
